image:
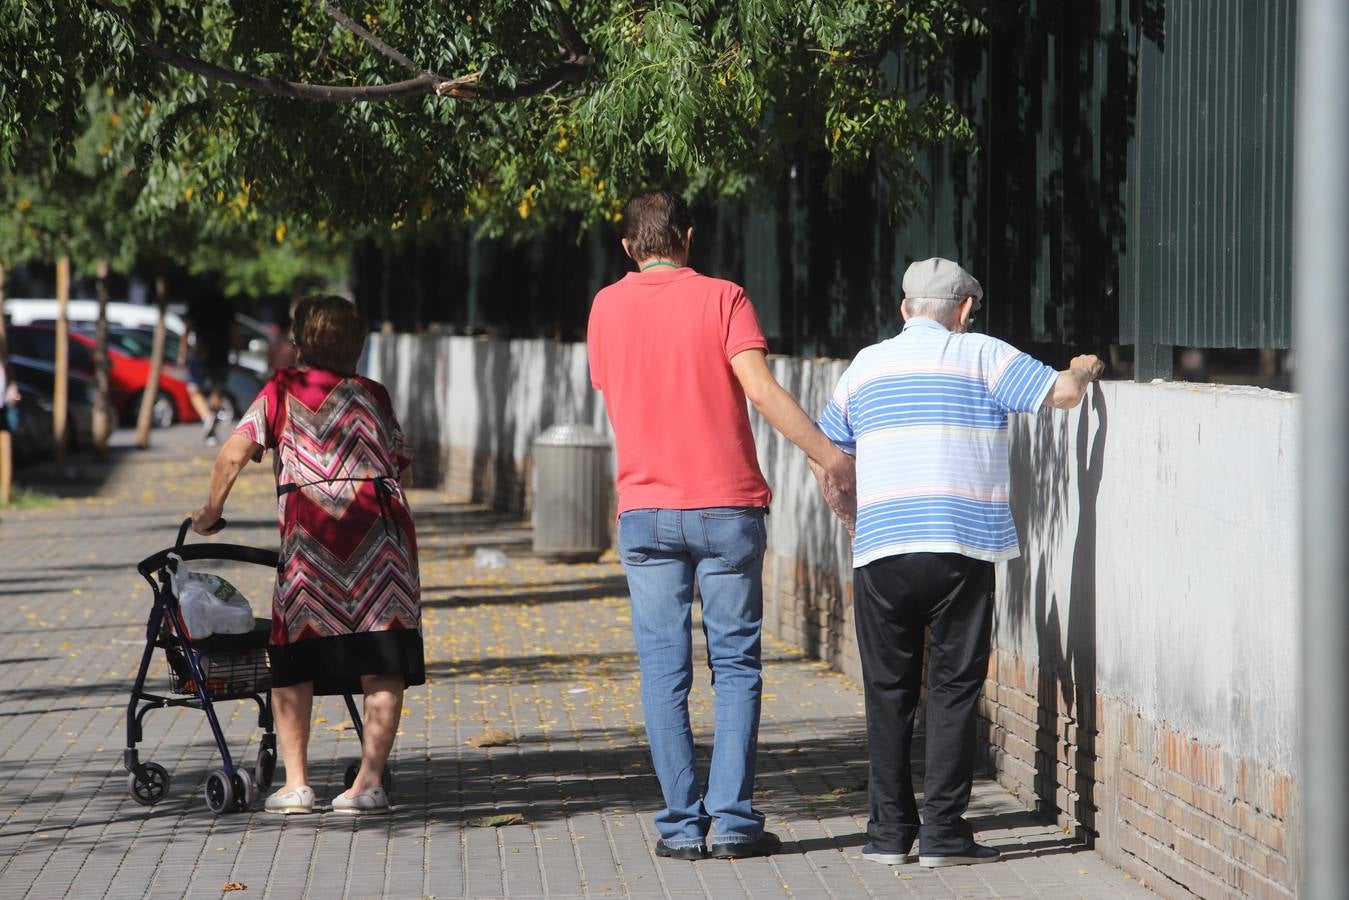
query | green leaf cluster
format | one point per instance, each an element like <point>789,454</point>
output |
<point>717,99</point>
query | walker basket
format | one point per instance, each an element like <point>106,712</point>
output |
<point>232,665</point>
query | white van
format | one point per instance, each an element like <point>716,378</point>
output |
<point>252,333</point>
<point>126,315</point>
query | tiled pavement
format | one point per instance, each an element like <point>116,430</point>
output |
<point>540,651</point>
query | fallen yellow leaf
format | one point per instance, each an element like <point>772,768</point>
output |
<point>491,737</point>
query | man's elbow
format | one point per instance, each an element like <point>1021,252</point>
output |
<point>757,390</point>
<point>757,398</point>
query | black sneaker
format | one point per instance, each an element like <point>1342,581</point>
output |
<point>872,853</point>
<point>765,845</point>
<point>972,855</point>
<point>697,851</point>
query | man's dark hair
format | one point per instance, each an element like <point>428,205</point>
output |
<point>655,224</point>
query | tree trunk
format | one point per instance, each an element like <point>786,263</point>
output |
<point>102,400</point>
<point>61,385</point>
<point>6,442</point>
<point>146,420</point>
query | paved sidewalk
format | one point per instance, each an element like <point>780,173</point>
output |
<point>540,651</point>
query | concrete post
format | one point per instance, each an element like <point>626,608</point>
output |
<point>1321,322</point>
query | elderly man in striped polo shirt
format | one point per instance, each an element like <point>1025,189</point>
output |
<point>925,413</point>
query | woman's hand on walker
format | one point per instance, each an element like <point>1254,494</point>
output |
<point>206,521</point>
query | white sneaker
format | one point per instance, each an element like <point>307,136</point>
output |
<point>369,800</point>
<point>885,857</point>
<point>287,803</point>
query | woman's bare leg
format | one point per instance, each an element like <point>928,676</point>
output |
<point>292,708</point>
<point>383,708</point>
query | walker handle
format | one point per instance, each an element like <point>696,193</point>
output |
<point>187,524</point>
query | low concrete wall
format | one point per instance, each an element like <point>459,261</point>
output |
<point>472,407</point>
<point>1144,684</point>
<point>1142,689</point>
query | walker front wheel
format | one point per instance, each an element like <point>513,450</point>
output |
<point>243,790</point>
<point>148,783</point>
<point>219,792</point>
<point>265,770</point>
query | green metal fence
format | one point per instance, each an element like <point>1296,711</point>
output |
<point>1129,186</point>
<point>1208,262</point>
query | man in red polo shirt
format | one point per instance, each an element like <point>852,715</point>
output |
<point>676,354</point>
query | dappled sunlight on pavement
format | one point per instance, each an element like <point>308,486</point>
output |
<point>540,651</point>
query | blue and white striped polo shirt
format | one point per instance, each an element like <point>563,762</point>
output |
<point>925,413</point>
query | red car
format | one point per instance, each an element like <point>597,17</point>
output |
<point>127,374</point>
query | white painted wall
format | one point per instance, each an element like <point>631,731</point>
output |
<point>485,395</point>
<point>1160,521</point>
<point>1156,521</point>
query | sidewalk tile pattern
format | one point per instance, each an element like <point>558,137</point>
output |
<point>541,651</point>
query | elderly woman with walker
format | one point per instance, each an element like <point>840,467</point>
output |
<point>346,611</point>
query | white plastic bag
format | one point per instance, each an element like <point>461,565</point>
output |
<point>210,605</point>
<point>489,558</point>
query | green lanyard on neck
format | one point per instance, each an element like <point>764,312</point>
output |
<point>661,262</point>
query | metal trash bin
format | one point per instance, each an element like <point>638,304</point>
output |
<point>573,487</point>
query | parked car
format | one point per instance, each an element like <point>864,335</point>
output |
<point>125,315</point>
<point>129,351</point>
<point>36,380</point>
<point>253,337</point>
<point>241,389</point>
<point>131,356</point>
<point>33,439</point>
<point>127,374</point>
<point>241,386</point>
<point>255,342</point>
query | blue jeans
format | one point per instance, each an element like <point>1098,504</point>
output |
<point>663,551</point>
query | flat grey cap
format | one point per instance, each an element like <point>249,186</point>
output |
<point>940,279</point>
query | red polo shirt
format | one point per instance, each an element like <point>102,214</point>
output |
<point>660,344</point>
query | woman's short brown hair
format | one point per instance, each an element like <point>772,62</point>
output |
<point>329,334</point>
<point>655,224</point>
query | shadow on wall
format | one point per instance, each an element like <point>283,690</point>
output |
<point>1055,483</point>
<point>523,388</point>
<point>493,377</point>
<point>478,437</point>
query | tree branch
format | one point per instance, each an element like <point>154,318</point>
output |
<point>554,76</point>
<point>466,87</point>
<point>577,50</point>
<point>357,29</point>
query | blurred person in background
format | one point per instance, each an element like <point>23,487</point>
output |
<point>281,351</point>
<point>210,332</point>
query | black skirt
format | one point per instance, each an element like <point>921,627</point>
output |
<point>336,664</point>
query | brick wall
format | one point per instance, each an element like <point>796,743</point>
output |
<point>808,608</point>
<point>1188,818</point>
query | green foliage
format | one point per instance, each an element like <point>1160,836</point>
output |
<point>93,202</point>
<point>68,204</point>
<point>714,98</point>
<point>273,264</point>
